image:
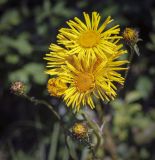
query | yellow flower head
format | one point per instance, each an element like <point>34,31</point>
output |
<point>80,130</point>
<point>130,35</point>
<point>56,87</point>
<point>56,58</point>
<point>57,55</point>
<point>89,37</point>
<point>85,62</point>
<point>87,78</point>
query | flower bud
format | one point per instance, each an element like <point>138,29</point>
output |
<point>56,87</point>
<point>131,36</point>
<point>17,88</point>
<point>80,130</point>
<point>80,133</point>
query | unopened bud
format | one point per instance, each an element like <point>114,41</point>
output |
<point>18,88</point>
<point>80,130</point>
<point>131,36</point>
<point>80,133</point>
<point>56,87</point>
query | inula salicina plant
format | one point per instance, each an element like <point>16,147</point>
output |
<point>86,68</point>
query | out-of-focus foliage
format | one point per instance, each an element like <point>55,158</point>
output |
<point>27,132</point>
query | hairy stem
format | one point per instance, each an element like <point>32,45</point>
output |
<point>94,127</point>
<point>43,102</point>
<point>38,101</point>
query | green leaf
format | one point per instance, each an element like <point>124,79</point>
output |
<point>12,58</point>
<point>3,1</point>
<point>18,75</point>
<point>54,142</point>
<point>144,86</point>
<point>9,19</point>
<point>133,96</point>
<point>136,49</point>
<point>21,44</point>
<point>134,108</point>
<point>36,71</point>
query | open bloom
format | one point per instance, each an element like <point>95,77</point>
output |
<point>56,58</point>
<point>89,37</point>
<point>85,62</point>
<point>89,78</point>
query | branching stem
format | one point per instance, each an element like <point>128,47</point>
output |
<point>38,101</point>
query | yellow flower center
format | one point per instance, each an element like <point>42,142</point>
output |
<point>89,39</point>
<point>84,82</point>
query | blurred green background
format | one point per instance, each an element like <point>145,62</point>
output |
<point>27,27</point>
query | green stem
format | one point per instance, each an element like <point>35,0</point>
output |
<point>42,102</point>
<point>93,152</point>
<point>110,144</point>
<point>38,101</point>
<point>130,60</point>
<point>94,127</point>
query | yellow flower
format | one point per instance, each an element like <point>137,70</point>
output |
<point>56,87</point>
<point>56,58</point>
<point>80,130</point>
<point>91,77</point>
<point>85,62</point>
<point>89,37</point>
<point>130,35</point>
